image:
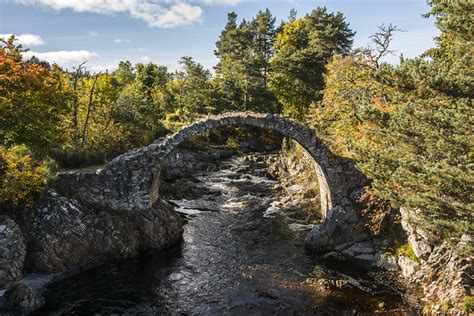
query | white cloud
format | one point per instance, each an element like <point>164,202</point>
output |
<point>63,58</point>
<point>93,34</point>
<point>220,2</point>
<point>103,68</point>
<point>163,14</point>
<point>145,59</point>
<point>121,41</point>
<point>26,39</point>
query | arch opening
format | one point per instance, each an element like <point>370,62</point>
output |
<point>302,135</point>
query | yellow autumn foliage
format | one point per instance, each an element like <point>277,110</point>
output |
<point>20,176</point>
<point>349,87</point>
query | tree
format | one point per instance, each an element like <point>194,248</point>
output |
<point>381,43</point>
<point>425,157</point>
<point>409,127</point>
<point>32,102</point>
<point>139,107</point>
<point>244,53</point>
<point>124,74</point>
<point>192,89</point>
<point>89,110</point>
<point>21,177</point>
<point>10,49</point>
<point>35,60</point>
<point>419,154</point>
<point>351,86</point>
<point>302,49</point>
<point>78,73</point>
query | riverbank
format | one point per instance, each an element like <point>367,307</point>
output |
<point>442,273</point>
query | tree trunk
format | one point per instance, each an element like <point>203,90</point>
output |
<point>75,121</point>
<point>89,106</point>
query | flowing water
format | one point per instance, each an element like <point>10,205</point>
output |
<point>240,255</point>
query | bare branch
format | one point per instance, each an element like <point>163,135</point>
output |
<point>381,43</point>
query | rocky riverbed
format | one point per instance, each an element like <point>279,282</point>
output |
<point>242,253</point>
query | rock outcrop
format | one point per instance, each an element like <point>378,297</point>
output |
<point>445,277</point>
<point>66,234</point>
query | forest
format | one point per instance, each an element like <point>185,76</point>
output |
<point>408,127</point>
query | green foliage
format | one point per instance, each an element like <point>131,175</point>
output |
<point>468,304</point>
<point>406,250</point>
<point>350,87</point>
<point>71,158</point>
<point>425,158</point>
<point>244,53</point>
<point>453,54</point>
<point>302,49</point>
<point>124,74</point>
<point>193,92</point>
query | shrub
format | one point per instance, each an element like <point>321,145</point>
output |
<point>21,177</point>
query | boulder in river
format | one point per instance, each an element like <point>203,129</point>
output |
<point>67,234</point>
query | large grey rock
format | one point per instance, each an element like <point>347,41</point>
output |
<point>420,246</point>
<point>341,230</point>
<point>444,277</point>
<point>417,238</point>
<point>68,235</point>
<point>387,262</point>
<point>12,252</point>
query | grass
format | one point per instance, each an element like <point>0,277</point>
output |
<point>406,250</point>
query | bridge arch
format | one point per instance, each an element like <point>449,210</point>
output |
<point>132,179</point>
<point>130,182</point>
<point>288,128</point>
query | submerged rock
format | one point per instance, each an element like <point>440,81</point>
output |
<point>21,296</point>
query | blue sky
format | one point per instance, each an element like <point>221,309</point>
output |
<point>103,32</point>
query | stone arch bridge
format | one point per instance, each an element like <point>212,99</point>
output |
<point>130,182</point>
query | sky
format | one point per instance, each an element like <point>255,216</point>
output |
<point>104,32</point>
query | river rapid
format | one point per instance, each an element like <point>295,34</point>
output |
<point>242,253</point>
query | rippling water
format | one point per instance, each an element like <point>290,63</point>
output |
<point>240,255</point>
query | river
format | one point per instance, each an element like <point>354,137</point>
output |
<point>241,254</point>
